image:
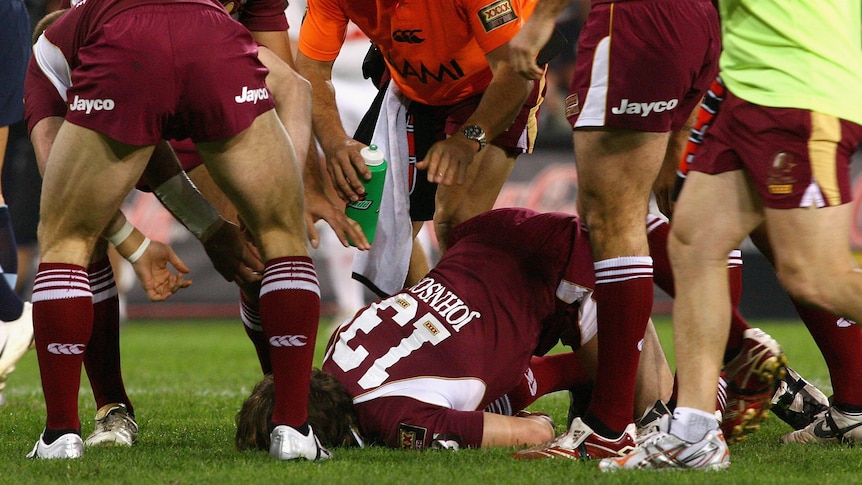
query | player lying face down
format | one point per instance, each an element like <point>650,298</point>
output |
<point>423,368</point>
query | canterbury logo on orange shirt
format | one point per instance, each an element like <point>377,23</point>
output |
<point>497,14</point>
<point>408,36</point>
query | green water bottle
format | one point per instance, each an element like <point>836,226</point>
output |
<point>366,210</point>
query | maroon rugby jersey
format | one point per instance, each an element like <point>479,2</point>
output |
<point>423,363</point>
<point>256,15</point>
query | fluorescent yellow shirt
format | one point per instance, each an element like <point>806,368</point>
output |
<point>804,54</point>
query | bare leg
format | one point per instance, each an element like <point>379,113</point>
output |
<point>86,179</point>
<point>698,249</point>
<point>258,171</point>
<point>616,170</point>
<point>457,203</point>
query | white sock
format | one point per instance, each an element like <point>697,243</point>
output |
<point>692,424</point>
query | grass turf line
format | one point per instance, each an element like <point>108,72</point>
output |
<point>188,379</point>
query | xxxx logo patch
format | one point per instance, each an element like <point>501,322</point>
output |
<point>497,14</point>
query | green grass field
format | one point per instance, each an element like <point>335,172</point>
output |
<point>188,379</point>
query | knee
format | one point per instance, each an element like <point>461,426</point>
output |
<point>287,83</point>
<point>442,229</point>
<point>802,286</point>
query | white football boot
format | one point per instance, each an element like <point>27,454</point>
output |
<point>69,445</point>
<point>16,338</point>
<point>286,443</point>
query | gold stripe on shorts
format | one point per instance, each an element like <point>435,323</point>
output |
<point>823,153</point>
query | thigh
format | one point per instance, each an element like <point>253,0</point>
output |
<point>616,171</point>
<point>811,241</point>
<point>258,171</point>
<point>716,212</point>
<point>485,177</point>
<point>202,179</point>
<point>86,179</point>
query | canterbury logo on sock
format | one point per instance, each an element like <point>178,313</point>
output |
<point>66,349</point>
<point>288,340</point>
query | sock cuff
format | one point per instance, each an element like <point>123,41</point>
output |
<point>290,273</point>
<point>623,268</point>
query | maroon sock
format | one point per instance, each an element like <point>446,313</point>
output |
<point>624,295</point>
<point>548,374</point>
<point>738,325</point>
<point>102,358</point>
<point>290,314</point>
<point>62,321</point>
<point>839,341</point>
<point>249,310</point>
<point>657,233</point>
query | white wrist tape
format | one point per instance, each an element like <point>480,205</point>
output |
<point>182,198</point>
<point>134,257</point>
<point>118,237</point>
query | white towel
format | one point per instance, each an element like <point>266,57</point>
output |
<point>384,267</point>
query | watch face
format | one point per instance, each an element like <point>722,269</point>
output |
<point>474,132</point>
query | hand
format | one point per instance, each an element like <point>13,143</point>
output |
<point>233,256</point>
<point>347,170</point>
<point>318,206</point>
<point>447,160</point>
<point>157,280</point>
<point>526,45</point>
<point>663,189</point>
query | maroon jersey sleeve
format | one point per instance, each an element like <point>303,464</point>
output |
<point>402,422</point>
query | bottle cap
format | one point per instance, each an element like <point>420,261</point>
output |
<point>372,155</point>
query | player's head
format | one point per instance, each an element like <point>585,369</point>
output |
<point>330,414</point>
<point>46,22</point>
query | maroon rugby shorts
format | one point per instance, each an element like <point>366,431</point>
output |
<point>643,65</point>
<point>168,71</point>
<point>794,157</point>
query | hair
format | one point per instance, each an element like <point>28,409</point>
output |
<point>330,413</point>
<point>46,22</point>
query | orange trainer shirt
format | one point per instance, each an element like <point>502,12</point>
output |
<point>435,49</point>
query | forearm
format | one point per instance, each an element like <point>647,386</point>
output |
<point>547,11</point>
<point>325,116</point>
<point>312,174</point>
<point>502,101</point>
<point>42,137</point>
<point>504,431</point>
<point>129,242</point>
<point>188,206</point>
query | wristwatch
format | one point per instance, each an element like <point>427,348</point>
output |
<point>477,134</point>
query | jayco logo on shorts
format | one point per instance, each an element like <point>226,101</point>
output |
<point>288,340</point>
<point>633,108</point>
<point>90,105</point>
<point>251,95</point>
<point>66,349</point>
